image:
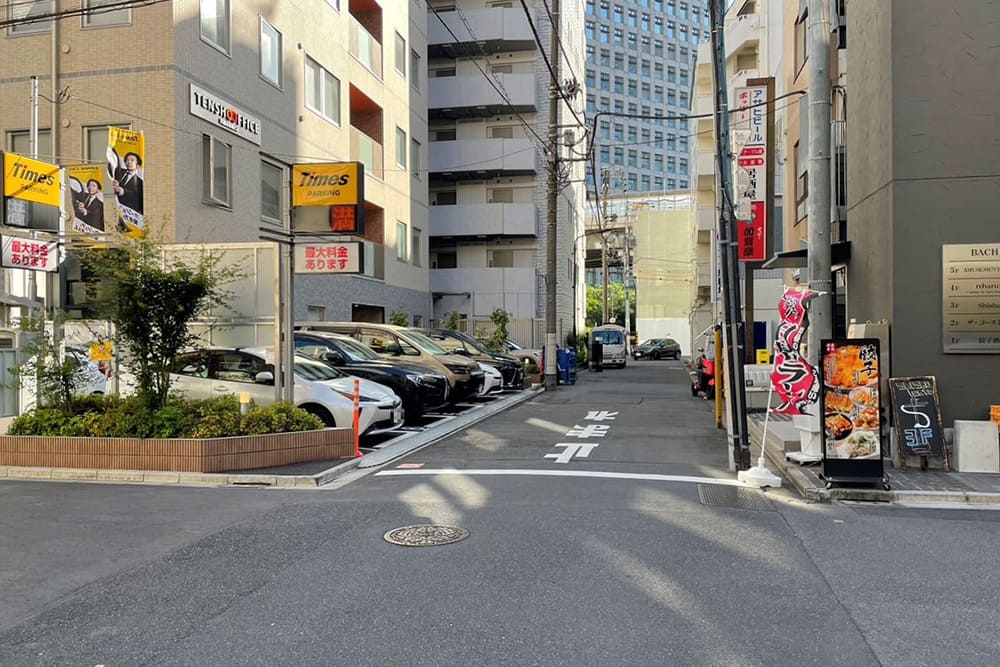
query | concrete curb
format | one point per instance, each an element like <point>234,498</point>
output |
<point>371,460</point>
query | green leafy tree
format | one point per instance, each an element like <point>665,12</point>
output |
<point>399,318</point>
<point>501,320</point>
<point>452,321</point>
<point>616,304</point>
<point>152,298</point>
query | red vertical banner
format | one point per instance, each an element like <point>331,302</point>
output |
<point>751,233</point>
<point>752,161</point>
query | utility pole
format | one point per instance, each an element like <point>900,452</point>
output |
<point>31,285</point>
<point>604,252</point>
<point>625,278</point>
<point>551,344</point>
<point>735,388</point>
<point>820,308</point>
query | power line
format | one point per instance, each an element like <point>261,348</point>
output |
<point>76,11</point>
<point>542,143</point>
<point>559,42</point>
<point>548,65</point>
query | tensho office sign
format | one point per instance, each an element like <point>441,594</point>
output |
<point>223,113</point>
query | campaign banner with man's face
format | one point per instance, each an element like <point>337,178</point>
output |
<point>126,155</point>
<point>86,198</point>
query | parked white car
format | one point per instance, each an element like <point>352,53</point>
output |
<point>320,389</point>
<point>493,381</point>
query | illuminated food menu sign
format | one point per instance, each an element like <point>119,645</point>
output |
<point>852,442</point>
<point>971,295</point>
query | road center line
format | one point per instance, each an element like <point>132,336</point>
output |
<point>562,473</point>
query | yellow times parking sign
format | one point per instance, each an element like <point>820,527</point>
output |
<point>100,351</point>
<point>31,180</point>
<point>327,184</point>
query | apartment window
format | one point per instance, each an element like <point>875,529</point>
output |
<point>107,17</point>
<point>619,132</point>
<point>446,198</point>
<point>400,148</point>
<point>605,57</point>
<point>217,158</point>
<point>271,178</point>
<point>322,91</point>
<point>401,235</point>
<point>19,12</point>
<point>444,135</point>
<point>416,246</point>
<point>645,182</point>
<point>270,53</point>
<point>400,55</point>
<point>500,196</point>
<point>215,23</point>
<point>444,72</point>
<point>20,142</point>
<point>415,158</point>
<point>603,33</point>
<point>500,259</point>
<point>657,182</point>
<point>415,69</point>
<point>605,81</point>
<point>684,166</point>
<point>96,141</point>
<point>619,156</point>
<point>801,54</point>
<point>315,313</point>
<point>500,132</point>
<point>589,30</point>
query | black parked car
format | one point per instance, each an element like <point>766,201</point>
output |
<point>420,387</point>
<point>456,342</point>
<point>658,348</point>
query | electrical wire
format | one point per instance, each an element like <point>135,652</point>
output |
<point>548,65</point>
<point>76,11</point>
<point>543,144</point>
<point>566,59</point>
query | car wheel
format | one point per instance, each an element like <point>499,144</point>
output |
<point>654,355</point>
<point>677,355</point>
<point>322,413</point>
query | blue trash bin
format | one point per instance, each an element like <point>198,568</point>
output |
<point>566,365</point>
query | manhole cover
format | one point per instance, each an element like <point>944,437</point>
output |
<point>734,496</point>
<point>426,535</point>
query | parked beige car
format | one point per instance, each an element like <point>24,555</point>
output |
<point>464,375</point>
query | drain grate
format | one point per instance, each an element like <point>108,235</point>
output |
<point>734,496</point>
<point>427,535</point>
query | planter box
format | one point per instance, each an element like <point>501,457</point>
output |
<point>178,455</point>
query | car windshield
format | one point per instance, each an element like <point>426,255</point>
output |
<point>425,343</point>
<point>651,341</point>
<point>356,351</point>
<point>608,337</point>
<point>310,369</point>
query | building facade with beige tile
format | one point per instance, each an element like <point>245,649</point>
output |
<point>327,81</point>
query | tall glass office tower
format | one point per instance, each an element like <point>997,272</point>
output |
<point>640,62</point>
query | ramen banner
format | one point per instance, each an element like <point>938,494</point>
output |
<point>86,198</point>
<point>126,155</point>
<point>852,424</point>
<point>793,378</point>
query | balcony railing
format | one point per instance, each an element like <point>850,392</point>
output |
<point>484,220</point>
<point>365,48</point>
<point>367,151</point>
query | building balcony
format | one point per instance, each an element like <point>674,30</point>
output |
<point>484,220</point>
<point>474,97</point>
<point>742,34</point>
<point>470,159</point>
<point>508,281</point>
<point>704,273</point>
<point>367,151</point>
<point>364,47</point>
<point>483,31</point>
<point>704,163</point>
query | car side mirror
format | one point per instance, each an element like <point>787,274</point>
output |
<point>335,358</point>
<point>264,377</point>
<point>395,349</point>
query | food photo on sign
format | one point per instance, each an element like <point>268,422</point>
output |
<point>851,402</point>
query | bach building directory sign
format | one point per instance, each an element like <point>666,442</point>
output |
<point>971,295</point>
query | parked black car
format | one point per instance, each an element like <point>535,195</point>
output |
<point>420,387</point>
<point>456,342</point>
<point>658,348</point>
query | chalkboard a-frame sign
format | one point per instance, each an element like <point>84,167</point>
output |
<point>916,415</point>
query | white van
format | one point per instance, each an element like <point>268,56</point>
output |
<point>615,343</point>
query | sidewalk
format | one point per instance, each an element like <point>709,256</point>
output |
<point>907,486</point>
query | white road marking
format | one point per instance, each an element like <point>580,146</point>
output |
<point>581,449</point>
<point>600,415</point>
<point>588,431</point>
<point>564,473</point>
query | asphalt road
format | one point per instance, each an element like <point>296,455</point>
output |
<point>608,559</point>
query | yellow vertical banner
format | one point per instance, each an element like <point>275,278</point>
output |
<point>86,198</point>
<point>126,155</point>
